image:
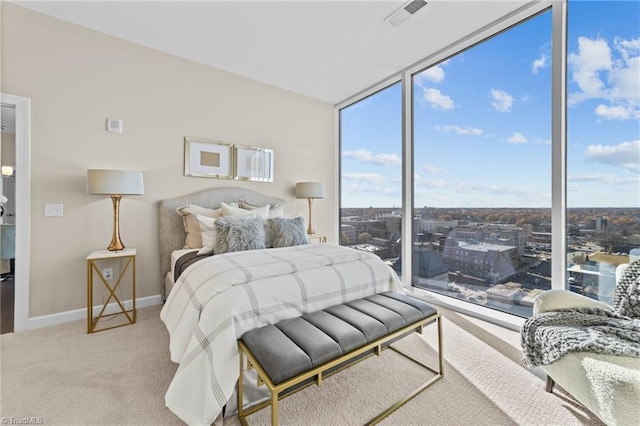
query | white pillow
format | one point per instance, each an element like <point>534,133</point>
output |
<point>274,211</point>
<point>191,225</point>
<point>261,212</point>
<point>209,234</point>
<point>277,211</point>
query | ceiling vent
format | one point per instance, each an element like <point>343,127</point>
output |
<point>405,11</point>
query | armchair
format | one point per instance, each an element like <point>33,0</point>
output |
<point>608,385</point>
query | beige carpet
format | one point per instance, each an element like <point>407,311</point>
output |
<point>64,376</point>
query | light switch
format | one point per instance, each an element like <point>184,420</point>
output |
<point>53,210</point>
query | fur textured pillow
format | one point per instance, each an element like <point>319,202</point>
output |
<point>238,234</point>
<point>285,232</point>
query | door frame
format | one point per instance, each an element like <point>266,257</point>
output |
<point>22,106</point>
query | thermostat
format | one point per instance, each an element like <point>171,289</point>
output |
<point>114,125</point>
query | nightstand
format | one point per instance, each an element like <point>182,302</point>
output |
<point>317,239</point>
<point>102,264</point>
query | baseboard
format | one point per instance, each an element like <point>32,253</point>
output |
<point>81,314</point>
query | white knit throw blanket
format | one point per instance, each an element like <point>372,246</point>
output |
<point>548,336</point>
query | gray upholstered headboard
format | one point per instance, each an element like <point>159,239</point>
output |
<point>171,229</point>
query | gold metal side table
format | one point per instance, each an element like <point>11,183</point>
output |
<point>317,239</point>
<point>127,258</point>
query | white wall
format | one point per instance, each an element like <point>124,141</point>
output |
<point>76,78</point>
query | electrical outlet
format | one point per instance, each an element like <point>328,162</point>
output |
<point>107,273</point>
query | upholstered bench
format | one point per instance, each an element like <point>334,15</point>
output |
<point>297,352</point>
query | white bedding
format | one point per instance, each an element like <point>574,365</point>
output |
<point>168,279</point>
<point>217,300</point>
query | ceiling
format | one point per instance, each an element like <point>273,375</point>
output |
<point>328,50</point>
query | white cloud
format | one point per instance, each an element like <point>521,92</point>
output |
<point>417,178</point>
<point>375,178</point>
<point>490,190</point>
<point>502,101</point>
<point>438,183</point>
<point>459,130</point>
<point>432,170</point>
<point>516,139</point>
<point>606,178</point>
<point>539,63</point>
<point>592,57</point>
<point>591,177</point>
<point>540,141</point>
<point>437,100</point>
<point>434,74</point>
<point>624,81</point>
<point>609,74</point>
<point>618,112</point>
<point>366,156</point>
<point>625,47</point>
<point>626,155</point>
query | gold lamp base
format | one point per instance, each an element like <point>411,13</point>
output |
<point>116,243</point>
<point>310,230</point>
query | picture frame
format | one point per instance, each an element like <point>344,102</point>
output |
<point>253,163</point>
<point>208,158</point>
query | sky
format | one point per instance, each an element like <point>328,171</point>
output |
<point>482,121</point>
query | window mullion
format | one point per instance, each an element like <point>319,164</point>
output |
<point>559,146</point>
<point>407,179</point>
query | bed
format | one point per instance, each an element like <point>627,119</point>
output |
<point>172,233</point>
<point>218,298</point>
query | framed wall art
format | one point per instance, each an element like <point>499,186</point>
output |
<point>206,158</point>
<point>253,163</point>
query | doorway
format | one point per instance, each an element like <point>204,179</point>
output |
<point>15,221</point>
<point>7,217</point>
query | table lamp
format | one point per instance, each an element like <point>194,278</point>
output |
<point>115,183</point>
<point>310,190</point>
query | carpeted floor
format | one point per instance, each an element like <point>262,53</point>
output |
<point>63,376</point>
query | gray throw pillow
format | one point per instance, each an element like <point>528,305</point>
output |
<point>283,232</point>
<point>238,234</point>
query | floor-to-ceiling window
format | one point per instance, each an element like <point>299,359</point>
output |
<point>371,174</point>
<point>482,164</point>
<point>603,142</point>
<point>509,195</point>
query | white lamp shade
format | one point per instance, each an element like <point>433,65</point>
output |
<point>114,182</point>
<point>309,190</point>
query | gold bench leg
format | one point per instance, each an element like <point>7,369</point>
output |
<point>274,408</point>
<point>241,389</point>
<point>419,389</point>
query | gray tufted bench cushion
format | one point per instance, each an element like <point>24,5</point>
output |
<point>317,342</point>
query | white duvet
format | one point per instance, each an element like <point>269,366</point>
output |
<point>217,300</point>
